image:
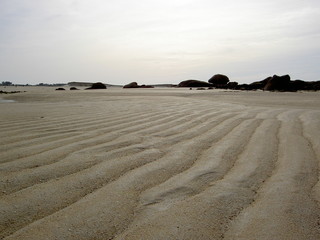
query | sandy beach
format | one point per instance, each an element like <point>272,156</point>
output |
<point>162,163</point>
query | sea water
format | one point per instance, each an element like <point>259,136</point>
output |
<point>6,101</point>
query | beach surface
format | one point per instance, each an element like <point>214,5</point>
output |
<point>160,163</point>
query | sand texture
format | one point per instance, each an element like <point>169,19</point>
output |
<point>159,164</point>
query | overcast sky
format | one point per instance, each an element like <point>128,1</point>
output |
<point>157,41</point>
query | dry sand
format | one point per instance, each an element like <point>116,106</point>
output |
<point>159,164</point>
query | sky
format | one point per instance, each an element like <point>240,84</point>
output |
<point>153,41</point>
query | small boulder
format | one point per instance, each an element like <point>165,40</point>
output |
<point>74,88</point>
<point>60,89</point>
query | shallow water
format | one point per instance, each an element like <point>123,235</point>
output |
<point>6,101</point>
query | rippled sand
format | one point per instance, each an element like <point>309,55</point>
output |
<point>159,164</point>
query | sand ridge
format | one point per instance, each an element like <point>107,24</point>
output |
<point>160,164</point>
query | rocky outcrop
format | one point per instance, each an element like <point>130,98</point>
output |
<point>218,80</point>
<point>97,85</point>
<point>275,83</point>
<point>232,85</point>
<point>194,83</point>
<point>131,85</point>
<point>135,85</point>
<point>278,83</point>
<point>259,84</point>
<point>146,86</point>
<point>302,85</point>
<point>272,83</point>
<point>60,89</point>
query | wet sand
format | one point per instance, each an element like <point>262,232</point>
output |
<point>159,164</point>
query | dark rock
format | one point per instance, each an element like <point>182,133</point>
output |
<point>259,84</point>
<point>302,85</point>
<point>219,79</point>
<point>243,87</point>
<point>97,85</point>
<point>135,85</point>
<point>315,86</point>
<point>60,89</point>
<point>281,83</point>
<point>298,85</point>
<point>232,85</point>
<point>194,83</point>
<point>201,88</point>
<point>74,88</point>
<point>278,83</point>
<point>146,86</point>
<point>131,85</point>
<point>274,83</point>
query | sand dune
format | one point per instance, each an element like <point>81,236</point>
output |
<point>159,164</point>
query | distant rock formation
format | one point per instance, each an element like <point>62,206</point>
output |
<point>135,85</point>
<point>89,84</point>
<point>219,79</point>
<point>279,83</point>
<point>302,85</point>
<point>60,89</point>
<point>232,85</point>
<point>194,83</point>
<point>259,84</point>
<point>146,86</point>
<point>74,88</point>
<point>272,83</point>
<point>97,85</point>
<point>131,85</point>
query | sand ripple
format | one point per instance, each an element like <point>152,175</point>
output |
<point>160,166</point>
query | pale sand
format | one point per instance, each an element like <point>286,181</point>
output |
<point>159,164</point>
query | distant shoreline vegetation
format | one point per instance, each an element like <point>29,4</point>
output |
<point>7,84</point>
